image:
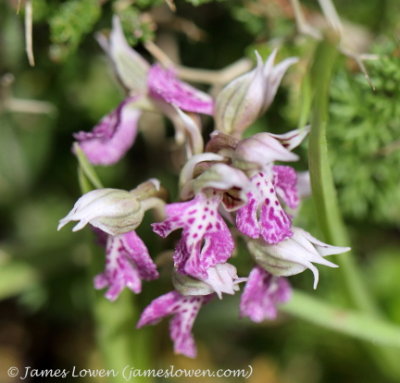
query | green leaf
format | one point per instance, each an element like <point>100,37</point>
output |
<point>353,323</point>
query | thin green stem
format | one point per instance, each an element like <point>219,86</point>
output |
<point>121,345</point>
<point>325,199</point>
<point>86,168</point>
<point>324,194</point>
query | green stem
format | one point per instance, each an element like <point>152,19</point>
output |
<point>120,343</point>
<point>86,168</point>
<point>353,323</point>
<point>324,195</point>
<point>16,277</point>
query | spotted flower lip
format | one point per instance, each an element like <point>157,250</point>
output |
<point>262,294</point>
<point>293,255</point>
<point>184,310</point>
<point>286,185</point>
<point>127,263</point>
<point>206,240</point>
<point>113,136</point>
<point>263,216</point>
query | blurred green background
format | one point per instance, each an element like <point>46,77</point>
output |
<point>50,317</point>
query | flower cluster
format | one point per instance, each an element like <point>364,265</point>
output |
<point>232,187</point>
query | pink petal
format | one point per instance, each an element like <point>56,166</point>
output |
<point>206,240</point>
<point>261,295</point>
<point>127,264</point>
<point>184,310</point>
<point>164,85</point>
<point>109,141</point>
<point>286,185</point>
<point>263,215</point>
<point>137,251</point>
<point>246,217</point>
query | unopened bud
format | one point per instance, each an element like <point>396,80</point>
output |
<point>241,101</point>
<point>293,255</point>
<point>112,210</point>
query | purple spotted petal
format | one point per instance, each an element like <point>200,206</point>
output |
<point>286,185</point>
<point>261,295</point>
<point>138,253</point>
<point>246,217</point>
<point>263,215</point>
<point>206,240</point>
<point>184,310</point>
<point>127,264</point>
<point>164,85</point>
<point>112,137</point>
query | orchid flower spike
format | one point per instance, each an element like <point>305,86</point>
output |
<point>293,255</point>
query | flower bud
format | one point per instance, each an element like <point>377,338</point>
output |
<point>221,278</point>
<point>241,101</point>
<point>112,210</point>
<point>131,68</point>
<point>273,77</point>
<point>187,285</point>
<point>244,99</point>
<point>293,255</point>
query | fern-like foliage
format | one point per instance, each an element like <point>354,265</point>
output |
<point>364,138</point>
<point>70,23</point>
